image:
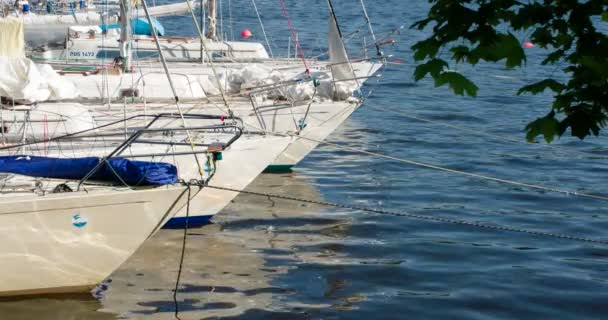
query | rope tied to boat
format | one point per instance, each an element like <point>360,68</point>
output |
<point>459,172</point>
<point>418,216</point>
<point>183,252</point>
<point>480,132</point>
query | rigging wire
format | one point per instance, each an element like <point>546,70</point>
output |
<point>231,21</point>
<point>222,22</point>
<point>262,26</point>
<point>168,74</point>
<point>418,216</point>
<point>371,29</point>
<point>210,59</point>
<point>295,37</point>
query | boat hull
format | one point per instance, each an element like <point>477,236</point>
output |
<point>70,242</point>
<point>299,148</point>
<point>241,164</point>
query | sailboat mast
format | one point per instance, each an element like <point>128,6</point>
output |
<point>212,17</point>
<point>126,11</point>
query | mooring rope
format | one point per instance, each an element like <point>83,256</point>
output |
<point>418,217</point>
<point>459,172</point>
<point>183,253</point>
<point>444,169</point>
<point>481,132</point>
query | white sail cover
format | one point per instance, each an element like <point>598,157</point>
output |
<point>22,79</point>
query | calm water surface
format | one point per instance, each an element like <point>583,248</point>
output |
<point>272,259</point>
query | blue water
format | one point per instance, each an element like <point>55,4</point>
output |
<point>272,259</point>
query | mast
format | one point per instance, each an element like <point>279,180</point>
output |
<point>204,27</point>
<point>126,11</point>
<point>212,17</point>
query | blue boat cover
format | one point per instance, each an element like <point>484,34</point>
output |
<point>139,26</point>
<point>133,173</point>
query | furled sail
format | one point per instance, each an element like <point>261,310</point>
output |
<point>341,67</point>
<point>337,53</point>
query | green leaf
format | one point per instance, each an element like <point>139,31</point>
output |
<point>499,47</point>
<point>554,56</point>
<point>513,51</point>
<point>421,24</point>
<point>542,36</point>
<point>570,32</point>
<point>460,53</point>
<point>583,121</point>
<point>426,48</point>
<point>562,102</point>
<point>541,86</point>
<point>599,66</point>
<point>548,126</point>
<point>457,82</point>
<point>434,67</point>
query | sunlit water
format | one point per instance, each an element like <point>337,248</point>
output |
<point>272,259</point>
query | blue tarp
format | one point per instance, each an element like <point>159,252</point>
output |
<point>139,26</point>
<point>133,173</point>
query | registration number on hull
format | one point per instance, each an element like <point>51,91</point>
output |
<point>82,54</point>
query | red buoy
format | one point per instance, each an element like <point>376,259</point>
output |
<point>246,34</point>
<point>528,44</point>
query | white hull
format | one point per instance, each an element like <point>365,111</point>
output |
<point>241,164</point>
<point>299,148</point>
<point>46,248</point>
<point>324,116</point>
<point>80,47</point>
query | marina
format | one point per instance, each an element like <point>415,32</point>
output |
<point>293,171</point>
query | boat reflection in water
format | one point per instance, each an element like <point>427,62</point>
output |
<point>249,264</point>
<point>67,307</point>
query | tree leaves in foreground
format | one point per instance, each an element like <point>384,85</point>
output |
<point>471,31</point>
